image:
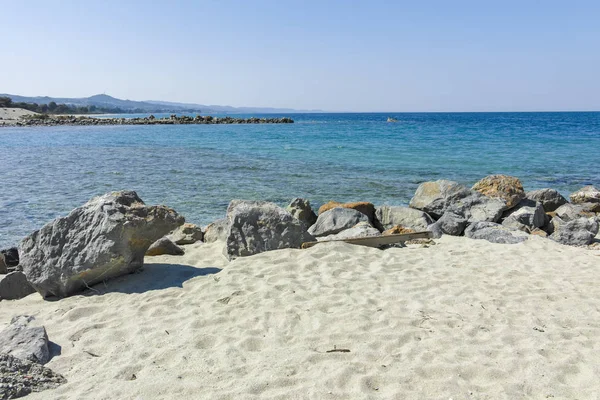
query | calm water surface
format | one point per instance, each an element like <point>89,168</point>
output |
<point>197,169</point>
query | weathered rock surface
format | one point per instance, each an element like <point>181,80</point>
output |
<point>216,231</point>
<point>364,207</point>
<point>25,339</point>
<point>362,229</point>
<point>9,259</point>
<point>106,237</point>
<point>397,230</point>
<point>476,207</point>
<point>14,286</point>
<point>301,210</point>
<point>507,188</point>
<point>164,246</point>
<point>587,194</point>
<point>451,223</point>
<point>577,232</point>
<point>434,198</point>
<point>570,212</point>
<point>19,378</point>
<point>389,216</point>
<point>336,220</point>
<point>549,198</point>
<point>495,233</point>
<point>186,234</point>
<point>258,226</point>
<point>527,216</point>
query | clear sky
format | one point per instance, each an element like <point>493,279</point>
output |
<point>331,55</point>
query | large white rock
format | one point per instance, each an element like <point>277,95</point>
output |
<point>258,226</point>
<point>106,237</point>
<point>587,194</point>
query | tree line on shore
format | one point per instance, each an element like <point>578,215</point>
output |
<point>53,108</point>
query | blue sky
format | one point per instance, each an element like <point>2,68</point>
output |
<point>330,55</point>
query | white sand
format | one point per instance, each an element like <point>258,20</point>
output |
<point>464,319</point>
<point>9,116</point>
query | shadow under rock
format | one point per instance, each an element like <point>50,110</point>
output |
<point>55,349</point>
<point>151,277</point>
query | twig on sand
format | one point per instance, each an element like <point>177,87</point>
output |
<point>334,350</point>
<point>91,354</point>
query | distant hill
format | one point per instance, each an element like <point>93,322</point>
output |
<point>151,106</point>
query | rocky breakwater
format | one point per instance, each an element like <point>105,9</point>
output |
<point>54,120</point>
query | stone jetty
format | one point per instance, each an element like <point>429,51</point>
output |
<point>54,120</point>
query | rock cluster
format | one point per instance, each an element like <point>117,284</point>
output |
<point>53,120</point>
<point>19,378</point>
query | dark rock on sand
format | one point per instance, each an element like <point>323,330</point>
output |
<point>507,188</point>
<point>9,259</point>
<point>25,339</point>
<point>495,233</point>
<point>14,286</point>
<point>577,232</point>
<point>164,246</point>
<point>258,226</point>
<point>106,237</point>
<point>451,223</point>
<point>301,210</point>
<point>19,378</point>
<point>549,198</point>
<point>336,220</point>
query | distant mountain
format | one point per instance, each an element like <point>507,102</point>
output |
<point>106,101</point>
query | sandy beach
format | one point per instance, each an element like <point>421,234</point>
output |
<point>10,116</point>
<point>460,319</point>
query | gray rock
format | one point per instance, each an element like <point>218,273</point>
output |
<point>258,226</point>
<point>3,266</point>
<point>570,212</point>
<point>587,194</point>
<point>577,232</point>
<point>106,237</point>
<point>450,224</point>
<point>25,339</point>
<point>478,208</point>
<point>527,216</point>
<point>390,216</point>
<point>301,209</point>
<point>216,231</point>
<point>549,198</point>
<point>164,246</point>
<point>14,286</point>
<point>362,229</point>
<point>19,378</point>
<point>495,233</point>
<point>435,197</point>
<point>186,234</point>
<point>336,220</point>
<point>9,259</point>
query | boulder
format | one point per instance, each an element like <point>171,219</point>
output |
<point>495,233</point>
<point>549,198</point>
<point>364,207</point>
<point>451,223</point>
<point>434,198</point>
<point>336,220</point>
<point>527,216</point>
<point>14,286</point>
<point>390,216</point>
<point>9,259</point>
<point>301,210</point>
<point>570,212</point>
<point>362,229</point>
<point>476,207</point>
<point>164,246</point>
<point>25,339</point>
<point>587,194</point>
<point>186,234</point>
<point>106,237</point>
<point>258,226</point>
<point>577,232</point>
<point>504,187</point>
<point>216,231</point>
<point>19,378</point>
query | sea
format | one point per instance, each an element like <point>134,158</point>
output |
<point>197,169</point>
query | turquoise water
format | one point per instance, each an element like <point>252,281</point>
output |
<point>197,169</point>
